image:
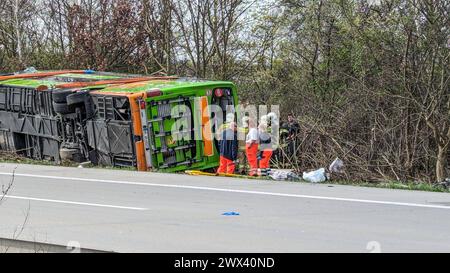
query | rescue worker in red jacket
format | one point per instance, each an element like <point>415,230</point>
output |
<point>228,150</point>
<point>251,148</point>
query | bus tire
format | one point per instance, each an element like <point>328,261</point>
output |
<point>60,95</point>
<point>78,97</point>
<point>63,108</point>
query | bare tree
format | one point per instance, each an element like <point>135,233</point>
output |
<point>157,16</point>
<point>208,35</point>
<point>4,195</point>
<point>16,27</point>
<point>427,78</point>
<point>6,188</point>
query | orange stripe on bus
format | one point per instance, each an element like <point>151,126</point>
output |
<point>206,125</point>
<point>117,81</point>
<point>137,129</point>
<point>41,74</point>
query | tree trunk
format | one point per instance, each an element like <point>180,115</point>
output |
<point>441,163</point>
<point>17,29</point>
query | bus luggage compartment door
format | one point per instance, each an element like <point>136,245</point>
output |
<point>113,142</point>
<point>172,133</point>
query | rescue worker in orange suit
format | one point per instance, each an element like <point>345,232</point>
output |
<point>251,148</point>
<point>228,150</point>
<point>265,149</point>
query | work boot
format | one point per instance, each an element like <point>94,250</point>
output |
<point>253,172</point>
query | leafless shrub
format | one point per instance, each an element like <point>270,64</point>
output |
<point>20,228</point>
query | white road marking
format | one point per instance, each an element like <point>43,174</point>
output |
<point>232,191</point>
<point>71,202</point>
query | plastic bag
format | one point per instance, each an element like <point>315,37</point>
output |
<point>337,166</point>
<point>283,175</point>
<point>316,176</point>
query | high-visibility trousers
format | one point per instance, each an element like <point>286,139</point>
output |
<point>226,166</point>
<point>264,163</point>
<point>252,157</point>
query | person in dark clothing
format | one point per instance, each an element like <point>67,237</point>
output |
<point>228,150</point>
<point>293,129</point>
<point>292,126</point>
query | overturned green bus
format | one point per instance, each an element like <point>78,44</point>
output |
<point>150,123</point>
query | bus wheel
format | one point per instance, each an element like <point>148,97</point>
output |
<point>60,95</point>
<point>63,108</point>
<point>78,97</point>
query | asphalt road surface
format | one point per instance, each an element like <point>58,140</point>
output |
<point>128,211</point>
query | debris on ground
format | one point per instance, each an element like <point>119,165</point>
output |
<point>84,164</point>
<point>445,184</point>
<point>337,166</point>
<point>284,175</point>
<point>231,213</point>
<point>317,176</point>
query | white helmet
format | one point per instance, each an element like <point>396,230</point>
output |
<point>230,117</point>
<point>264,120</point>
